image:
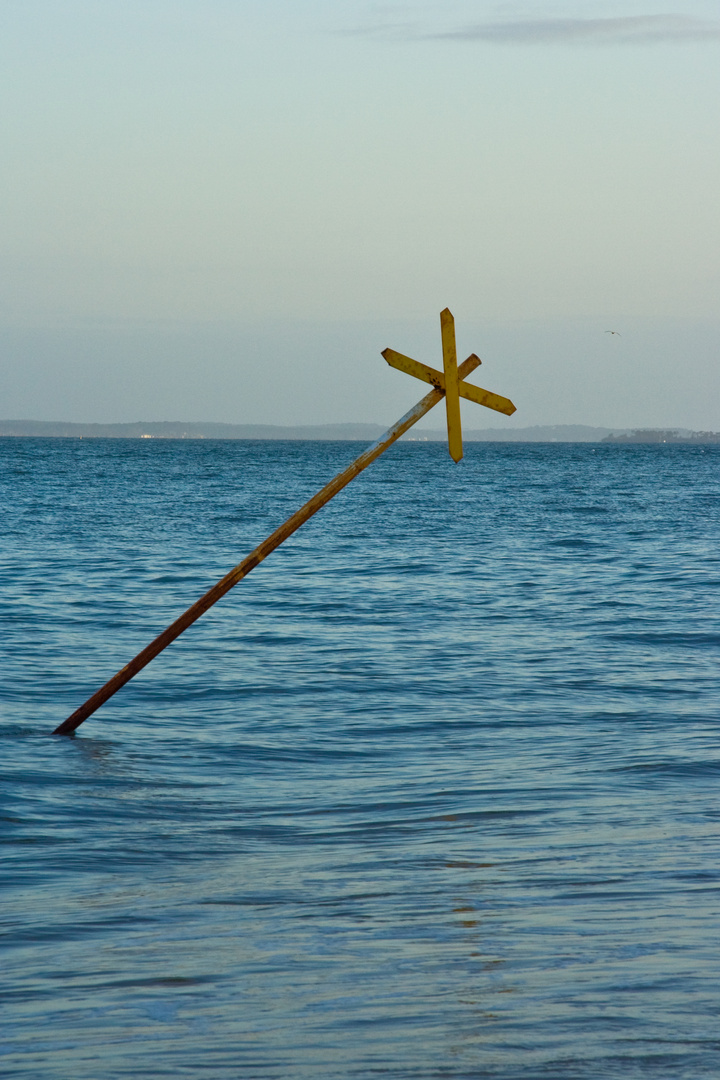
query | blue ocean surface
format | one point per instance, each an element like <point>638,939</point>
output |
<point>433,793</point>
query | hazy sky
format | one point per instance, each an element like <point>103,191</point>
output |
<point>225,209</point>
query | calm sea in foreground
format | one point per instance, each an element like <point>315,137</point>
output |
<point>434,793</point>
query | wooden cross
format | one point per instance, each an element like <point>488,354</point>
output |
<point>448,383</point>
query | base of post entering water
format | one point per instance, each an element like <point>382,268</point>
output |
<point>256,557</point>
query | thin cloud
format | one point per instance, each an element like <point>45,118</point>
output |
<point>626,30</point>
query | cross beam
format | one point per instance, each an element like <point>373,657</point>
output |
<point>451,382</point>
<point>446,383</point>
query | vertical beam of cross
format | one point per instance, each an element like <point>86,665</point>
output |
<point>452,390</point>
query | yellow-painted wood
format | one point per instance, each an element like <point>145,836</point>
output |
<point>437,379</point>
<point>486,398</point>
<point>255,557</point>
<point>414,367</point>
<point>452,390</point>
<point>448,383</point>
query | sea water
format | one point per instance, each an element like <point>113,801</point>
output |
<point>434,793</point>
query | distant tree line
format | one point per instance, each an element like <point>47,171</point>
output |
<point>658,435</point>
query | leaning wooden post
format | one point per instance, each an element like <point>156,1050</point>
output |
<point>293,523</point>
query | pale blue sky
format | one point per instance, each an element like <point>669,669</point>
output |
<point>224,210</point>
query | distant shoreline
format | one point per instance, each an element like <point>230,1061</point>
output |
<point>569,433</point>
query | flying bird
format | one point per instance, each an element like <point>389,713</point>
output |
<point>613,332</point>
